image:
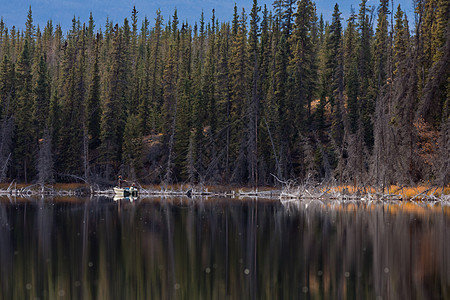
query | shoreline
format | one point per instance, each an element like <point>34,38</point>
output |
<point>285,194</point>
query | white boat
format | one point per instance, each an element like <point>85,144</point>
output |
<point>126,191</point>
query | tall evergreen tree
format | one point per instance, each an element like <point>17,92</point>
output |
<point>185,101</point>
<point>253,106</point>
<point>284,12</point>
<point>302,60</point>
<point>114,113</point>
<point>151,124</point>
<point>239,78</point>
<point>365,72</point>
<point>7,84</point>
<point>170,96</point>
<point>30,31</point>
<point>41,98</point>
<point>93,106</point>
<point>223,91</point>
<point>277,121</point>
<point>73,93</point>
<point>351,72</point>
<point>381,45</point>
<point>24,143</point>
<point>336,76</point>
<point>401,42</point>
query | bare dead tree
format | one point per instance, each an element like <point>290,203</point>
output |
<point>45,159</point>
<point>240,162</point>
<point>443,164</point>
<point>190,159</point>
<point>4,168</point>
<point>169,170</point>
<point>86,152</point>
<point>308,152</point>
<point>381,154</point>
<point>277,161</point>
<point>325,162</point>
<point>213,167</point>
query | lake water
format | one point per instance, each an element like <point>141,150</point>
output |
<point>223,249</point>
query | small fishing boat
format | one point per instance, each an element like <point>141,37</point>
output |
<point>126,191</point>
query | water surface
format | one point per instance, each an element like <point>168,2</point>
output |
<point>223,248</point>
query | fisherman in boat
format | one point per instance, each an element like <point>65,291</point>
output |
<point>120,181</point>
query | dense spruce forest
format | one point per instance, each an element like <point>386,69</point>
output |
<point>274,94</point>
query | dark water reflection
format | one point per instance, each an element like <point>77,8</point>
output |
<point>216,249</point>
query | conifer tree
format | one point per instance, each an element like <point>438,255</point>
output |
<point>336,76</point>
<point>170,96</point>
<point>41,98</point>
<point>24,144</point>
<point>239,78</point>
<point>210,94</point>
<point>93,106</point>
<point>265,51</point>
<point>401,42</point>
<point>73,93</point>
<point>365,72</point>
<point>6,118</point>
<point>426,47</point>
<point>277,107</point>
<point>7,84</point>
<point>208,82</point>
<point>138,57</point>
<point>156,74</point>
<point>30,31</point>
<point>196,143</point>
<point>90,27</point>
<point>235,22</point>
<point>253,106</point>
<point>302,60</point>
<point>433,65</point>
<point>223,91</point>
<point>3,35</point>
<point>440,29</point>
<point>134,20</point>
<point>381,45</point>
<point>185,101</point>
<point>284,11</point>
<point>351,73</point>
<point>333,53</point>
<point>114,113</point>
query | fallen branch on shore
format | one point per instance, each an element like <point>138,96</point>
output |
<point>290,192</point>
<point>325,192</point>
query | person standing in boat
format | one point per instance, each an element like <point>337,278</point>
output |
<point>120,181</point>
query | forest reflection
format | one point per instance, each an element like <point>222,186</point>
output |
<point>221,248</point>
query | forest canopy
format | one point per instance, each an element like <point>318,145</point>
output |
<point>275,94</point>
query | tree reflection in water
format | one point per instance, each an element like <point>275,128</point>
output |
<point>222,248</point>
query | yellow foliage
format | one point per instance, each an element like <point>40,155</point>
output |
<point>419,191</point>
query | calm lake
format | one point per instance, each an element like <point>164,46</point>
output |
<point>223,249</point>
